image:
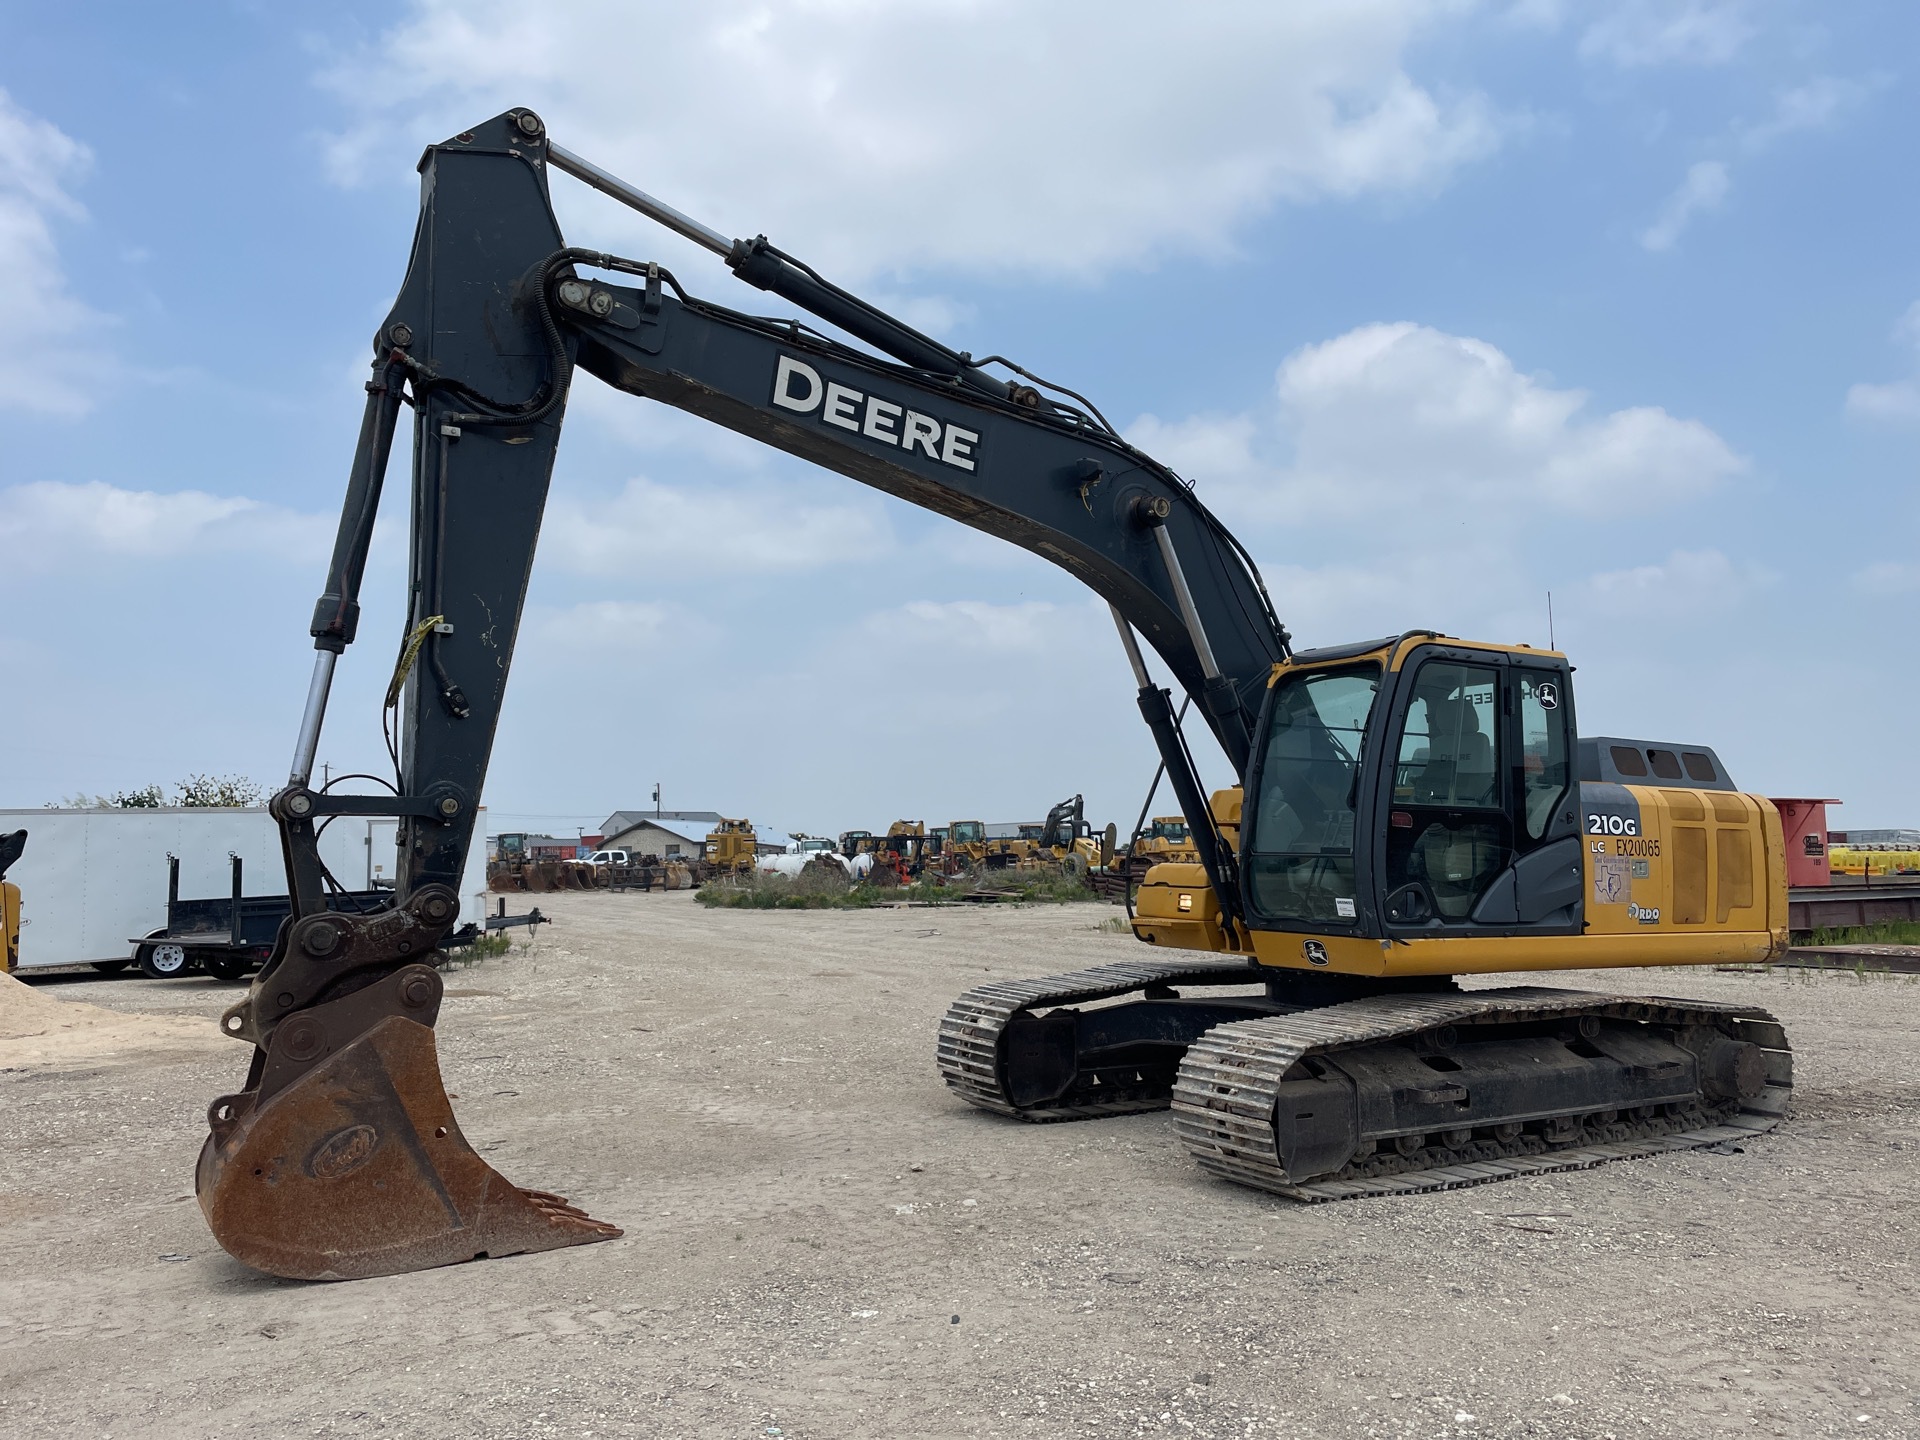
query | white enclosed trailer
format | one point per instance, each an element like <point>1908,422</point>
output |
<point>91,880</point>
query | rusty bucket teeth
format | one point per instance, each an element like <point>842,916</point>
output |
<point>357,1168</point>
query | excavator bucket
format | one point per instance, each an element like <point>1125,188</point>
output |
<point>355,1166</point>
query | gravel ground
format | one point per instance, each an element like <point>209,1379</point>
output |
<point>820,1242</point>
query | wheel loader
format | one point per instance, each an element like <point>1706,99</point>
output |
<point>1404,811</point>
<point>731,848</point>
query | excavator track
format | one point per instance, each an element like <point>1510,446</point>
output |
<point>972,1050</point>
<point>1234,1101</point>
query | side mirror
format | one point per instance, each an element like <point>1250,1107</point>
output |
<point>1409,905</point>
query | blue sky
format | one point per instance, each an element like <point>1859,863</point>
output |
<point>1441,305</point>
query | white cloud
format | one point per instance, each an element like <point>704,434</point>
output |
<point>976,134</point>
<point>1686,585</point>
<point>652,428</point>
<point>1456,582</point>
<point>1432,428</point>
<point>1898,401</point>
<point>1906,330</point>
<point>1668,32</point>
<point>1704,188</point>
<point>1535,14</point>
<point>604,626</point>
<point>1027,627</point>
<point>46,524</point>
<point>708,532</point>
<point>936,315</point>
<point>1816,105</point>
<point>1813,106</point>
<point>1888,577</point>
<point>46,356</point>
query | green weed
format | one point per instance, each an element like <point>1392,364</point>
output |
<point>822,890</point>
<point>1891,932</point>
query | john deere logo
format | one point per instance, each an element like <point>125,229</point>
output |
<point>343,1152</point>
<point>1315,952</point>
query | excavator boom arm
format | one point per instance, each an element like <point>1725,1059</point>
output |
<point>492,321</point>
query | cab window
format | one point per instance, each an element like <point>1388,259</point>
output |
<point>1449,833</point>
<point>1300,863</point>
<point>1544,766</point>
<point>1447,754</point>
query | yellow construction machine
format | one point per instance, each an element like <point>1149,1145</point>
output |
<point>12,846</point>
<point>730,849</point>
<point>1402,811</point>
<point>965,846</point>
<point>1167,838</point>
<point>1851,860</point>
<point>900,855</point>
<point>1067,842</point>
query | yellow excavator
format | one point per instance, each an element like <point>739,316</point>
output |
<point>900,855</point>
<point>1065,839</point>
<point>1404,811</point>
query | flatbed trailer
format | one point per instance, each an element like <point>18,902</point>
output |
<point>226,935</point>
<point>231,935</point>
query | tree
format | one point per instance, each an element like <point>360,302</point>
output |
<point>210,790</point>
<point>194,792</point>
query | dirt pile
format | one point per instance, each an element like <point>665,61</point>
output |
<point>39,1029</point>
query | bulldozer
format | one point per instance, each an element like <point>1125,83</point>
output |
<point>1404,810</point>
<point>1166,838</point>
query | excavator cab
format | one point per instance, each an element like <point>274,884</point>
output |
<point>1421,806</point>
<point>1417,786</point>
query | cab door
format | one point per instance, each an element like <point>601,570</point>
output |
<point>1476,827</point>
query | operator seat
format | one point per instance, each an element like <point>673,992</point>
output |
<point>1457,855</point>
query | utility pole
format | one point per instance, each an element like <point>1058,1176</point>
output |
<point>656,799</point>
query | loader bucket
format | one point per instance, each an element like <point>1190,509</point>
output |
<point>356,1167</point>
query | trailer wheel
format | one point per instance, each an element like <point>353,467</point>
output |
<point>111,967</point>
<point>163,961</point>
<point>226,967</point>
